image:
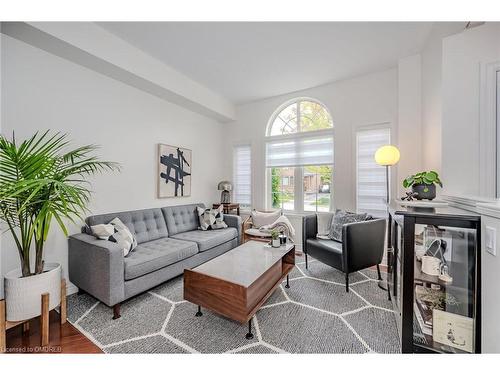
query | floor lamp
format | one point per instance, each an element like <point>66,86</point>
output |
<point>387,156</point>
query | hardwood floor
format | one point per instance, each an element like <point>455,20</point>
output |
<point>62,339</point>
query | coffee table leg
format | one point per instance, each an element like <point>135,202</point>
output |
<point>198,313</point>
<point>287,282</point>
<point>249,335</point>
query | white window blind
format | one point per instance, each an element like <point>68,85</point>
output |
<point>314,148</point>
<point>371,184</point>
<point>242,175</point>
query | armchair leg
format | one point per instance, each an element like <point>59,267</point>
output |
<point>347,282</point>
<point>306,260</point>
<point>116,311</point>
<point>378,272</point>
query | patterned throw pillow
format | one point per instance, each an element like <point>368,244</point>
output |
<point>211,218</point>
<point>339,220</point>
<point>102,231</point>
<point>123,236</point>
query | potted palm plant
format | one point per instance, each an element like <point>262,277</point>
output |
<point>42,181</point>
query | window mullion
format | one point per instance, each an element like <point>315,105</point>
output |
<point>299,125</point>
<point>299,189</point>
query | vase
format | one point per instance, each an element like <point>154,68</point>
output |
<point>23,294</point>
<point>430,194</point>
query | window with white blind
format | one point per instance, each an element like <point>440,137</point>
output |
<point>299,157</point>
<point>242,175</point>
<point>370,177</point>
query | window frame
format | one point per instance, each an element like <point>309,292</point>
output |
<point>298,170</point>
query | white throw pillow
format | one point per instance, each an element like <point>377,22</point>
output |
<point>259,219</point>
<point>324,220</point>
<point>123,236</point>
<point>211,218</point>
<point>102,231</point>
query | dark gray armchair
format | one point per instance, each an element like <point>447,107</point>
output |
<point>362,245</point>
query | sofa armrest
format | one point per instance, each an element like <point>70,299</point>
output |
<point>235,222</point>
<point>363,244</point>
<point>309,229</point>
<point>96,266</point>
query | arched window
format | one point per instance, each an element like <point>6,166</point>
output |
<point>299,116</point>
<point>299,157</point>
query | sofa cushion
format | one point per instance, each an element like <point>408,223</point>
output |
<point>207,239</point>
<point>181,218</point>
<point>326,245</point>
<point>145,225</point>
<point>153,255</point>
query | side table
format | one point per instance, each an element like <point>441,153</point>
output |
<point>228,207</point>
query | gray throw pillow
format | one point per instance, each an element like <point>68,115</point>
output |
<point>339,220</point>
<point>211,218</point>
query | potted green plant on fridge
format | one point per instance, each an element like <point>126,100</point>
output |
<point>423,184</point>
<point>42,182</point>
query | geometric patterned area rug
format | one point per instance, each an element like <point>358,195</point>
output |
<point>315,315</point>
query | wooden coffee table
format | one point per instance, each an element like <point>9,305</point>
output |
<point>237,283</point>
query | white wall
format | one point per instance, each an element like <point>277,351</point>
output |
<point>409,118</point>
<point>361,101</point>
<point>41,91</point>
<point>432,62</point>
<point>463,56</point>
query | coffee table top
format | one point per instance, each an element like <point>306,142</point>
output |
<point>244,264</point>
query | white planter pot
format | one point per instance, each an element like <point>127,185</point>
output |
<point>276,243</point>
<point>23,294</point>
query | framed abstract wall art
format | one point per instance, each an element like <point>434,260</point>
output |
<point>174,171</point>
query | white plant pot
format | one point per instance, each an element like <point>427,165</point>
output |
<point>23,294</point>
<point>276,243</point>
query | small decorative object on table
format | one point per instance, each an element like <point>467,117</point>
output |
<point>283,238</point>
<point>423,184</point>
<point>275,242</point>
<point>226,187</point>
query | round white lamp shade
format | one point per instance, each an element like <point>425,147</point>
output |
<point>387,155</point>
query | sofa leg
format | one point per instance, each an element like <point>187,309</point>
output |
<point>116,311</point>
<point>378,272</point>
<point>347,282</point>
<point>306,260</point>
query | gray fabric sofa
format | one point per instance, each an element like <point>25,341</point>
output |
<point>168,242</point>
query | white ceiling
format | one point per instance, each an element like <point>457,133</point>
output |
<point>247,61</point>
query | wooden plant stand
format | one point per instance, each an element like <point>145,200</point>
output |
<point>44,319</point>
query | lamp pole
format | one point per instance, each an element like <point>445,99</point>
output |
<point>383,283</point>
<point>386,156</point>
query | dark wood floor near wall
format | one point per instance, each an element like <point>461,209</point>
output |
<point>62,339</point>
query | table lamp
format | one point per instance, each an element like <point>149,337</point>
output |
<point>387,156</point>
<point>226,187</point>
